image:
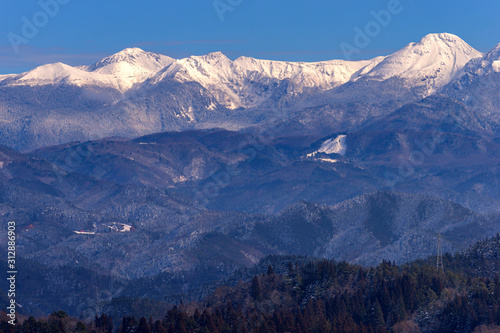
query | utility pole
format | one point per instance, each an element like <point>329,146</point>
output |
<point>439,260</point>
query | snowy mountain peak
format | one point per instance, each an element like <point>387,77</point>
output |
<point>216,55</point>
<point>442,37</point>
<point>48,73</point>
<point>55,74</point>
<point>443,41</point>
<point>124,55</point>
<point>213,59</point>
<point>494,54</point>
<point>134,56</point>
<point>490,63</point>
<point>132,51</point>
<point>130,66</point>
<point>432,62</point>
<point>494,57</point>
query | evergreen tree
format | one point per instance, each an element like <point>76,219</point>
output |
<point>376,318</point>
<point>143,326</point>
<point>158,327</point>
<point>255,289</point>
<point>80,327</point>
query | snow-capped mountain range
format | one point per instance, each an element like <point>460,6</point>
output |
<point>135,92</point>
<point>433,62</point>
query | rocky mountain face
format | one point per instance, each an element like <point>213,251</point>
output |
<point>478,87</point>
<point>173,202</point>
<point>128,211</point>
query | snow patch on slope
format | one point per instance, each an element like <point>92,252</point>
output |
<point>332,146</point>
<point>496,66</point>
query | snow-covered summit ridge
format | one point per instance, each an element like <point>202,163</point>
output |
<point>243,82</point>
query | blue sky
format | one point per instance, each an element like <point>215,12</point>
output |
<point>84,31</point>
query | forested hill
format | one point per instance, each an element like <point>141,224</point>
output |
<point>328,296</point>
